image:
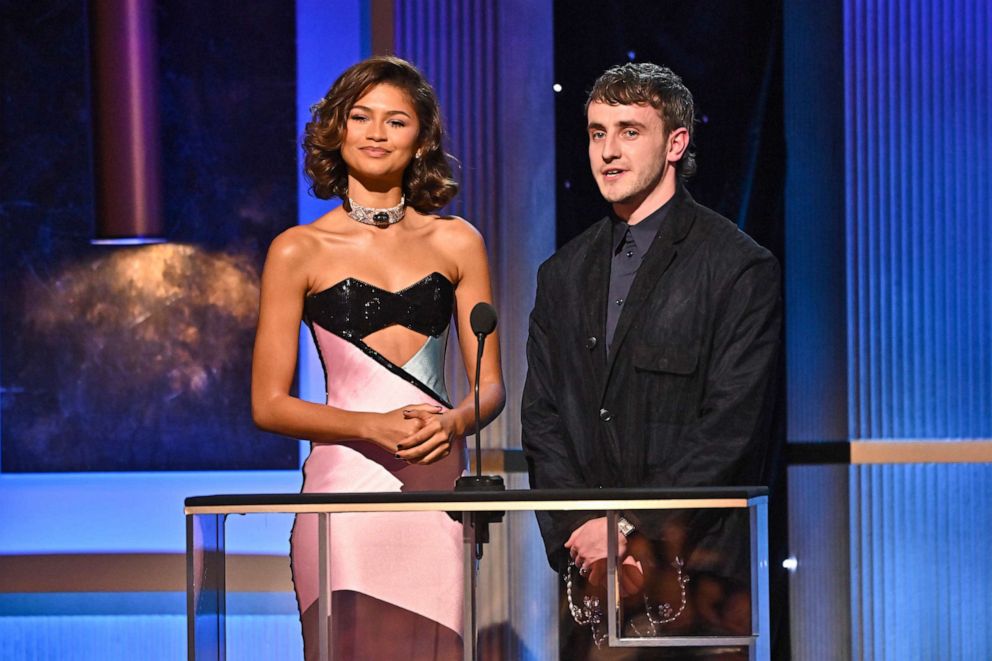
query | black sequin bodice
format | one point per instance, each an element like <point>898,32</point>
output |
<point>354,309</point>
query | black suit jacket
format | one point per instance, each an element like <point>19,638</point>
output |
<point>685,395</point>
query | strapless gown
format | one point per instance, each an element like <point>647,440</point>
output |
<point>396,578</point>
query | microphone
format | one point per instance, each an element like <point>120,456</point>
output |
<point>483,321</point>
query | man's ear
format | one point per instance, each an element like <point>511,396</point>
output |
<point>678,143</point>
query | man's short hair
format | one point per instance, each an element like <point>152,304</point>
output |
<point>645,83</point>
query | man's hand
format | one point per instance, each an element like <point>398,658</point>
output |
<point>587,547</point>
<point>587,544</point>
<point>631,573</point>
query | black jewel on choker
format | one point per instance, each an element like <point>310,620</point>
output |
<point>377,217</point>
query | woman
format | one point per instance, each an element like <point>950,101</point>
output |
<point>376,281</point>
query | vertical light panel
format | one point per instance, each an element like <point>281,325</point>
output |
<point>919,230</point>
<point>523,238</point>
<point>819,587</point>
<point>525,234</point>
<point>330,37</point>
<point>492,66</point>
<point>454,43</point>
<point>921,578</point>
<point>919,243</point>
<point>815,296</point>
<point>816,341</point>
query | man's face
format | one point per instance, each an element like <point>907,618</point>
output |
<point>628,150</point>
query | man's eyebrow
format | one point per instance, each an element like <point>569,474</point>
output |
<point>623,124</point>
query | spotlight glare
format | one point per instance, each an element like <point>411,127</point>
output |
<point>790,563</point>
<point>556,87</point>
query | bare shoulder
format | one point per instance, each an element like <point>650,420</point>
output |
<point>295,244</point>
<point>461,243</point>
<point>458,234</point>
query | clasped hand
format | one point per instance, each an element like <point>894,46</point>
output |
<point>587,546</point>
<point>417,434</point>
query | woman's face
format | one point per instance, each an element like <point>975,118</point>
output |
<point>380,134</point>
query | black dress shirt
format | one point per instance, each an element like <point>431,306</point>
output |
<point>630,244</point>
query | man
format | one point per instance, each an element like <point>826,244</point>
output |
<point>653,339</point>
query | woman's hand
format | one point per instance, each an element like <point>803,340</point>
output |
<point>432,442</point>
<point>389,429</point>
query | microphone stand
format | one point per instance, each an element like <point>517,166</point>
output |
<point>483,321</point>
<point>480,482</point>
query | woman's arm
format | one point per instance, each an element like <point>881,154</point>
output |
<point>433,441</point>
<point>284,286</point>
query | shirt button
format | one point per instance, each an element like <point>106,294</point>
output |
<point>619,301</point>
<point>591,343</point>
<point>605,415</point>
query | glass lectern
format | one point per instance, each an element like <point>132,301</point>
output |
<point>631,609</point>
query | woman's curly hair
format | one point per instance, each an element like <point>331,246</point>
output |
<point>427,182</point>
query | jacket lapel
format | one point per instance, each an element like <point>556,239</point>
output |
<point>596,286</point>
<point>657,260</point>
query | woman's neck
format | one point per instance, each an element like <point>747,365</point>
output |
<point>374,195</point>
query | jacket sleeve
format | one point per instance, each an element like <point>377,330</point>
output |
<point>551,458</point>
<point>728,440</point>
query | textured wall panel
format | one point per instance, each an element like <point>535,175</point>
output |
<point>918,146</point>
<point>917,141</point>
<point>815,297</point>
<point>819,589</point>
<point>922,579</point>
<point>919,167</point>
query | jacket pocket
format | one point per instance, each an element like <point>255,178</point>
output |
<point>666,378</point>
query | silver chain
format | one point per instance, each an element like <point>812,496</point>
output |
<point>591,614</point>
<point>666,613</point>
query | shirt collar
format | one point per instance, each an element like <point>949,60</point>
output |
<point>642,233</point>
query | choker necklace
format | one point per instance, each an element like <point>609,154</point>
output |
<point>378,217</point>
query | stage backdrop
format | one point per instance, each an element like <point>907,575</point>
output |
<point>890,326</point>
<point>136,359</point>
